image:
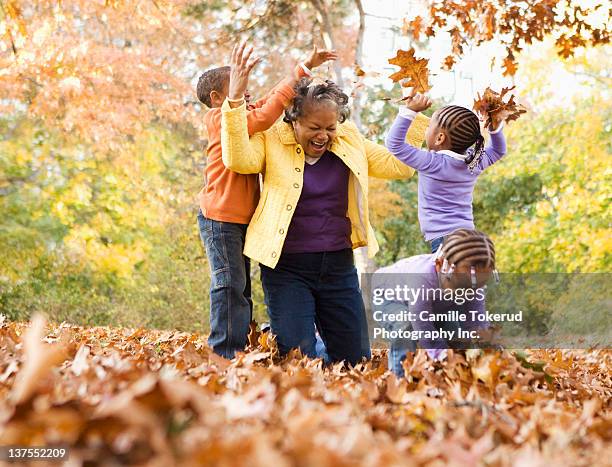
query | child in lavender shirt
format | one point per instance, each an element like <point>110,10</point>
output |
<point>449,168</point>
<point>466,260</point>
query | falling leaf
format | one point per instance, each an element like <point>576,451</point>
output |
<point>449,62</point>
<point>414,70</point>
<point>509,65</point>
<point>416,27</point>
<point>513,24</point>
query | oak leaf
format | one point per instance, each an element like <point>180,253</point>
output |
<point>415,27</point>
<point>413,69</point>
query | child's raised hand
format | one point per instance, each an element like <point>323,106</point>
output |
<point>417,102</point>
<point>318,57</point>
<point>241,64</point>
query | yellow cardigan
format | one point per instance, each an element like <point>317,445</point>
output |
<point>276,154</point>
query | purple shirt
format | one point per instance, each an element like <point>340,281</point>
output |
<point>420,273</point>
<point>320,222</point>
<point>445,184</point>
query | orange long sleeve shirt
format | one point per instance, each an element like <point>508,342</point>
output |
<point>229,196</point>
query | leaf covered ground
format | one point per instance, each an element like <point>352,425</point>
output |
<point>120,396</point>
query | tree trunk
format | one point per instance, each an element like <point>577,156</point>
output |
<point>362,262</point>
<point>328,36</point>
<point>357,104</point>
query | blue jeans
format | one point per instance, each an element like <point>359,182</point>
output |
<point>231,306</point>
<point>435,243</point>
<point>322,289</point>
<point>398,348</point>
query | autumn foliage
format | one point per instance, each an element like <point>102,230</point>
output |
<point>492,105</point>
<point>100,161</point>
<point>515,25</point>
<point>163,398</point>
<point>413,70</point>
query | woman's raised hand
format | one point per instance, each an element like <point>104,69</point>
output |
<point>241,64</point>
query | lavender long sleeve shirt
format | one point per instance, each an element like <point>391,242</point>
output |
<point>445,183</point>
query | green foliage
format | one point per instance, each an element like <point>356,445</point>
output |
<point>546,204</point>
<point>101,237</point>
<point>400,236</point>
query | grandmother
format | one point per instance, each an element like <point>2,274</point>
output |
<point>312,212</point>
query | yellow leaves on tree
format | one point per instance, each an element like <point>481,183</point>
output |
<point>496,110</point>
<point>385,203</point>
<point>414,70</point>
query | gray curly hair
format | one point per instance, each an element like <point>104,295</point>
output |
<point>307,92</point>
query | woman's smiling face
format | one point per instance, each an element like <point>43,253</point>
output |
<point>316,129</point>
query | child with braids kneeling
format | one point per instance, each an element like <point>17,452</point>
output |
<point>449,169</point>
<point>445,286</point>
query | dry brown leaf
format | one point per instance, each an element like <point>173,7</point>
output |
<point>449,62</point>
<point>151,407</point>
<point>413,70</point>
<point>495,110</point>
<point>39,360</point>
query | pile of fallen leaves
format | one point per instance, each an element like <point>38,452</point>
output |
<point>135,396</point>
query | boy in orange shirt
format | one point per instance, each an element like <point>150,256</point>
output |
<point>229,199</point>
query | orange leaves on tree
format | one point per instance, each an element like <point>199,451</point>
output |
<point>514,24</point>
<point>98,70</point>
<point>414,70</point>
<point>492,105</point>
<point>13,12</point>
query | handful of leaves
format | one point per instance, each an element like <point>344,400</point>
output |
<point>492,106</point>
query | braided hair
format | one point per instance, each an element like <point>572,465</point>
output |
<point>307,91</point>
<point>463,128</point>
<point>472,246</point>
